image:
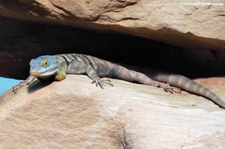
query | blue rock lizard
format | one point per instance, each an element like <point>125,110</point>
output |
<point>57,66</point>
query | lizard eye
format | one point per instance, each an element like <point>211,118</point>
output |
<point>44,63</point>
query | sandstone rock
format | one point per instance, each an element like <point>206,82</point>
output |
<point>175,22</point>
<point>189,42</point>
<point>73,113</point>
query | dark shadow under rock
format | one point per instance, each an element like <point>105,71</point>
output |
<point>21,41</point>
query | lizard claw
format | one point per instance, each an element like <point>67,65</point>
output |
<point>17,87</point>
<point>177,90</point>
<point>22,84</point>
<point>171,89</point>
<point>102,82</point>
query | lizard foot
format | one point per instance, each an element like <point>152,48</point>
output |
<point>17,87</point>
<point>102,82</point>
<point>22,84</point>
<point>171,89</point>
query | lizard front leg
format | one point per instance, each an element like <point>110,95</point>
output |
<point>91,72</point>
<point>22,84</point>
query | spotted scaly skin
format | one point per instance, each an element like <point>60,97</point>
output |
<point>57,66</point>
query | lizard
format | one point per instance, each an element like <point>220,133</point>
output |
<point>58,66</point>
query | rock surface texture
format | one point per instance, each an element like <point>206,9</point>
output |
<point>65,115</point>
<point>175,22</point>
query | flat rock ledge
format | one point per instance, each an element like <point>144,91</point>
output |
<point>73,113</point>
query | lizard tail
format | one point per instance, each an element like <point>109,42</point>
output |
<point>190,86</point>
<point>175,80</point>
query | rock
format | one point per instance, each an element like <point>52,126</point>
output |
<point>21,41</point>
<point>174,22</point>
<point>178,37</point>
<point>73,113</point>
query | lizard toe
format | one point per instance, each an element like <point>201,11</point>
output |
<point>102,82</point>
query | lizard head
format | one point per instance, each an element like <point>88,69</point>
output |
<point>44,66</point>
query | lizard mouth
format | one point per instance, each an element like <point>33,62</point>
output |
<point>34,73</point>
<point>48,72</point>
